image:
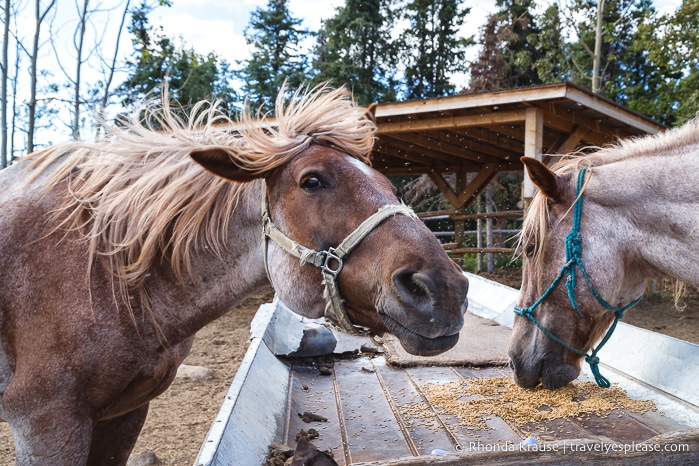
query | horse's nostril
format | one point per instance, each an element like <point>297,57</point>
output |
<point>412,284</point>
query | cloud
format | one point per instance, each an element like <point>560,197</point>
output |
<point>206,35</point>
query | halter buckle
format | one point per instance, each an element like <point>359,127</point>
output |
<point>332,263</point>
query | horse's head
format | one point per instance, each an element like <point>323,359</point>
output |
<point>397,278</point>
<point>547,247</point>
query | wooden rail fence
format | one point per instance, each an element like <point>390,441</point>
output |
<point>453,215</point>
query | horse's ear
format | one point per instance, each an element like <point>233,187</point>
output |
<point>542,177</point>
<point>218,161</point>
<point>371,112</point>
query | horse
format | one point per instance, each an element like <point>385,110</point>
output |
<point>115,253</point>
<point>599,227</point>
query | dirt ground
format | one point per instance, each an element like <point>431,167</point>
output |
<point>180,418</point>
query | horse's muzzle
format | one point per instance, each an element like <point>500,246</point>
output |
<point>425,311</point>
<point>548,370</point>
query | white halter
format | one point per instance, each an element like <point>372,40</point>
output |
<point>329,261</point>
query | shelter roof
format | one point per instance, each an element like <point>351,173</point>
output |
<point>492,130</point>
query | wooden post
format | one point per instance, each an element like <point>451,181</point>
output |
<point>479,234</point>
<point>533,147</point>
<point>489,227</point>
<point>461,183</point>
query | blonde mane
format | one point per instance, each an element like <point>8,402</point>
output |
<point>138,198</point>
<point>676,140</point>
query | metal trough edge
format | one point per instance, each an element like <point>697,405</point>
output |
<point>258,395</point>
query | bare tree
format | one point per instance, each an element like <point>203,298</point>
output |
<point>39,18</point>
<point>13,110</point>
<point>3,91</point>
<point>111,69</point>
<point>597,56</point>
<point>79,42</point>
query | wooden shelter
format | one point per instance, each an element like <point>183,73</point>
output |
<point>486,133</point>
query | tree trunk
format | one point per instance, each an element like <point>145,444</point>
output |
<point>31,124</point>
<point>78,70</point>
<point>110,77</point>
<point>597,59</point>
<point>3,91</point>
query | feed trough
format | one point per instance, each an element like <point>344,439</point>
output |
<point>370,404</point>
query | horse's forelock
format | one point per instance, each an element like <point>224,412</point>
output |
<point>322,115</point>
<point>536,223</point>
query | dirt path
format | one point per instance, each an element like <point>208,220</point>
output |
<point>180,418</point>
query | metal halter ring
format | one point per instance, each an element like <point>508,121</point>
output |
<point>330,259</point>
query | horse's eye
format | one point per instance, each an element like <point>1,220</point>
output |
<point>311,183</point>
<point>529,250</point>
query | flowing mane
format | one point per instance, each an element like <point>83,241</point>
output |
<point>137,196</point>
<point>677,141</point>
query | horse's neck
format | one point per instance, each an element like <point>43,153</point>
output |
<point>659,200</point>
<point>217,283</point>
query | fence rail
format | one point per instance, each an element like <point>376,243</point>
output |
<point>479,250</point>
<point>456,216</point>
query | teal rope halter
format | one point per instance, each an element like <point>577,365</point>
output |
<point>574,260</point>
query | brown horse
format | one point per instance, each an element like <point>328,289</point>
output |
<point>115,253</point>
<point>599,227</point>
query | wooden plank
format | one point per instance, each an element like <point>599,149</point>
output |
<point>426,433</point>
<point>451,122</point>
<point>312,392</point>
<point>481,250</point>
<point>485,99</point>
<point>614,111</point>
<point>417,152</point>
<point>444,187</point>
<point>372,433</point>
<point>434,145</point>
<point>501,214</point>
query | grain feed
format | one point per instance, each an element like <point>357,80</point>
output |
<point>474,401</point>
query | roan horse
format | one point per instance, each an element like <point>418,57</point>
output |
<point>115,253</point>
<point>599,227</point>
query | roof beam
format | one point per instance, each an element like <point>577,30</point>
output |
<point>463,121</point>
<point>470,191</point>
<point>484,99</point>
<point>611,110</point>
<point>451,150</point>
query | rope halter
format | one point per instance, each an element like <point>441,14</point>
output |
<point>574,261</point>
<point>330,261</point>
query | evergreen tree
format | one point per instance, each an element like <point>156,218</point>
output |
<point>672,45</point>
<point>552,63</point>
<point>156,61</point>
<point>274,36</point>
<point>619,60</point>
<point>519,53</point>
<point>516,51</point>
<point>489,70</point>
<point>636,79</point>
<point>354,49</point>
<point>430,47</point>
